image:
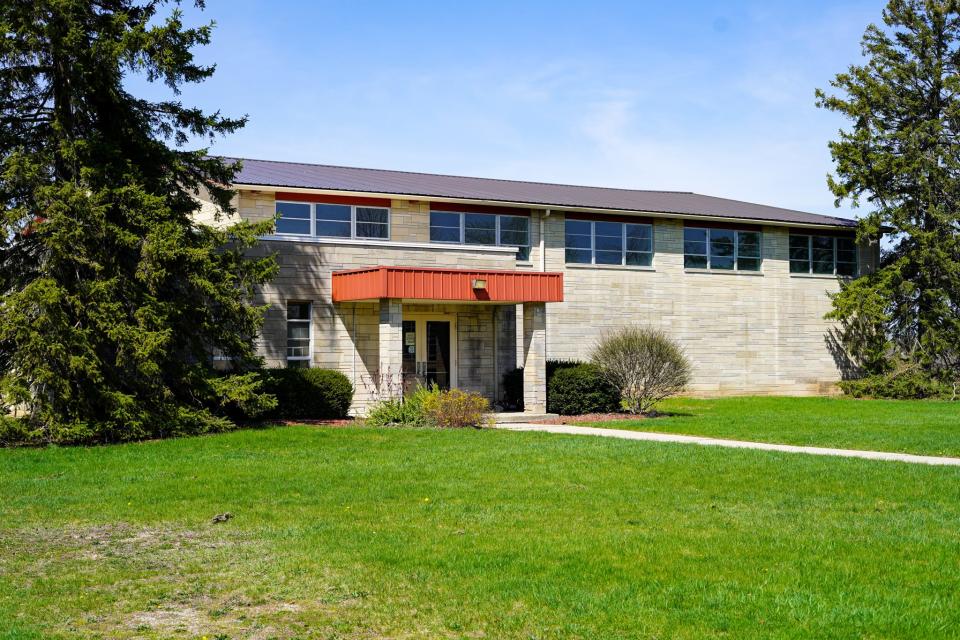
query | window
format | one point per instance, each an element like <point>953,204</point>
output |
<point>824,255</point>
<point>721,249</point>
<point>490,229</point>
<point>298,334</point>
<point>602,242</point>
<point>333,220</point>
<point>294,218</point>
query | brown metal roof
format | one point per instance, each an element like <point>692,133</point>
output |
<point>378,181</point>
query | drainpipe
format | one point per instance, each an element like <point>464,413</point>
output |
<point>543,253</point>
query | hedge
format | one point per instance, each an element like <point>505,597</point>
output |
<point>315,394</point>
<point>906,385</point>
<point>580,389</point>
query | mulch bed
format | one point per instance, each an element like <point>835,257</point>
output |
<point>340,422</point>
<point>591,417</point>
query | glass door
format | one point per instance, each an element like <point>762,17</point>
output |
<point>429,351</point>
<point>437,353</point>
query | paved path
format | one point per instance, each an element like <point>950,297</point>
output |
<point>734,444</point>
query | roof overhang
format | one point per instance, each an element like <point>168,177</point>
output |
<point>459,285</point>
<point>539,205</point>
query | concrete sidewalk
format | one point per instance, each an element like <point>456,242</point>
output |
<point>733,444</point>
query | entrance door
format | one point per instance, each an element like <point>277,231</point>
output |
<point>437,352</point>
<point>429,351</point>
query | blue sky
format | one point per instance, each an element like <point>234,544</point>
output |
<point>712,97</point>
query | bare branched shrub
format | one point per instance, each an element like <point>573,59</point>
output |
<point>644,364</point>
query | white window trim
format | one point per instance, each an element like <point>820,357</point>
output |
<point>736,252</point>
<point>353,220</point>
<point>810,271</point>
<point>309,321</point>
<point>463,230</point>
<point>623,245</point>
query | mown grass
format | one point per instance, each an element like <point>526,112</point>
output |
<point>922,426</point>
<point>364,533</point>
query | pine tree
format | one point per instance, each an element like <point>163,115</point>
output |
<point>112,297</point>
<point>902,157</point>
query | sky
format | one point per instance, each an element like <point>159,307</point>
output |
<point>711,97</point>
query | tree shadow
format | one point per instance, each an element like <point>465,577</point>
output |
<point>848,368</point>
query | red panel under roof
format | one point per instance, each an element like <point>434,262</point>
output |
<point>418,283</point>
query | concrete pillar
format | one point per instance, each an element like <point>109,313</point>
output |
<point>534,357</point>
<point>390,370</point>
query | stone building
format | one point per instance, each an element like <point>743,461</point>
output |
<point>393,277</point>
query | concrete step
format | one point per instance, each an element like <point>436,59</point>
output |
<point>512,417</point>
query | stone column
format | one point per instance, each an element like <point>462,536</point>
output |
<point>390,370</point>
<point>534,357</point>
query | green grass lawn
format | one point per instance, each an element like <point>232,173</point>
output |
<point>923,427</point>
<point>363,533</point>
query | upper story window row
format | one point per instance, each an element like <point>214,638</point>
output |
<point>721,249</point>
<point>607,242</point>
<point>490,229</point>
<point>824,255</point>
<point>325,220</point>
<point>598,241</point>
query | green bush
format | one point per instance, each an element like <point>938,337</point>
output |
<point>455,409</point>
<point>513,382</point>
<point>580,389</point>
<point>315,394</point>
<point>904,385</point>
<point>407,412</point>
<point>644,364</point>
<point>16,432</point>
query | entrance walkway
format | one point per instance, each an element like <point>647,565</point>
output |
<point>733,444</point>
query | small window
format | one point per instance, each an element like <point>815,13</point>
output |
<point>748,251</point>
<point>639,245</point>
<point>479,228</point>
<point>579,242</point>
<point>799,254</point>
<point>489,229</point>
<point>722,249</point>
<point>298,334</point>
<point>325,220</point>
<point>373,223</point>
<point>608,243</point>
<point>515,232</point>
<point>333,220</point>
<point>294,218</point>
<point>823,255</point>
<point>444,227</point>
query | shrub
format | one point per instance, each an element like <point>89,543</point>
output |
<point>408,411</point>
<point>455,409</point>
<point>903,385</point>
<point>242,397</point>
<point>309,393</point>
<point>581,389</point>
<point>513,382</point>
<point>644,364</point>
<point>17,432</point>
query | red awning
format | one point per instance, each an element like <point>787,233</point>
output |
<point>419,283</point>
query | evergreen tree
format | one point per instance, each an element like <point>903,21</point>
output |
<point>112,298</point>
<point>902,157</point>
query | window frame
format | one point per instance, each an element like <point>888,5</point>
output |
<point>309,322</point>
<point>463,230</point>
<point>810,261</point>
<point>736,251</point>
<point>623,244</point>
<point>353,220</point>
